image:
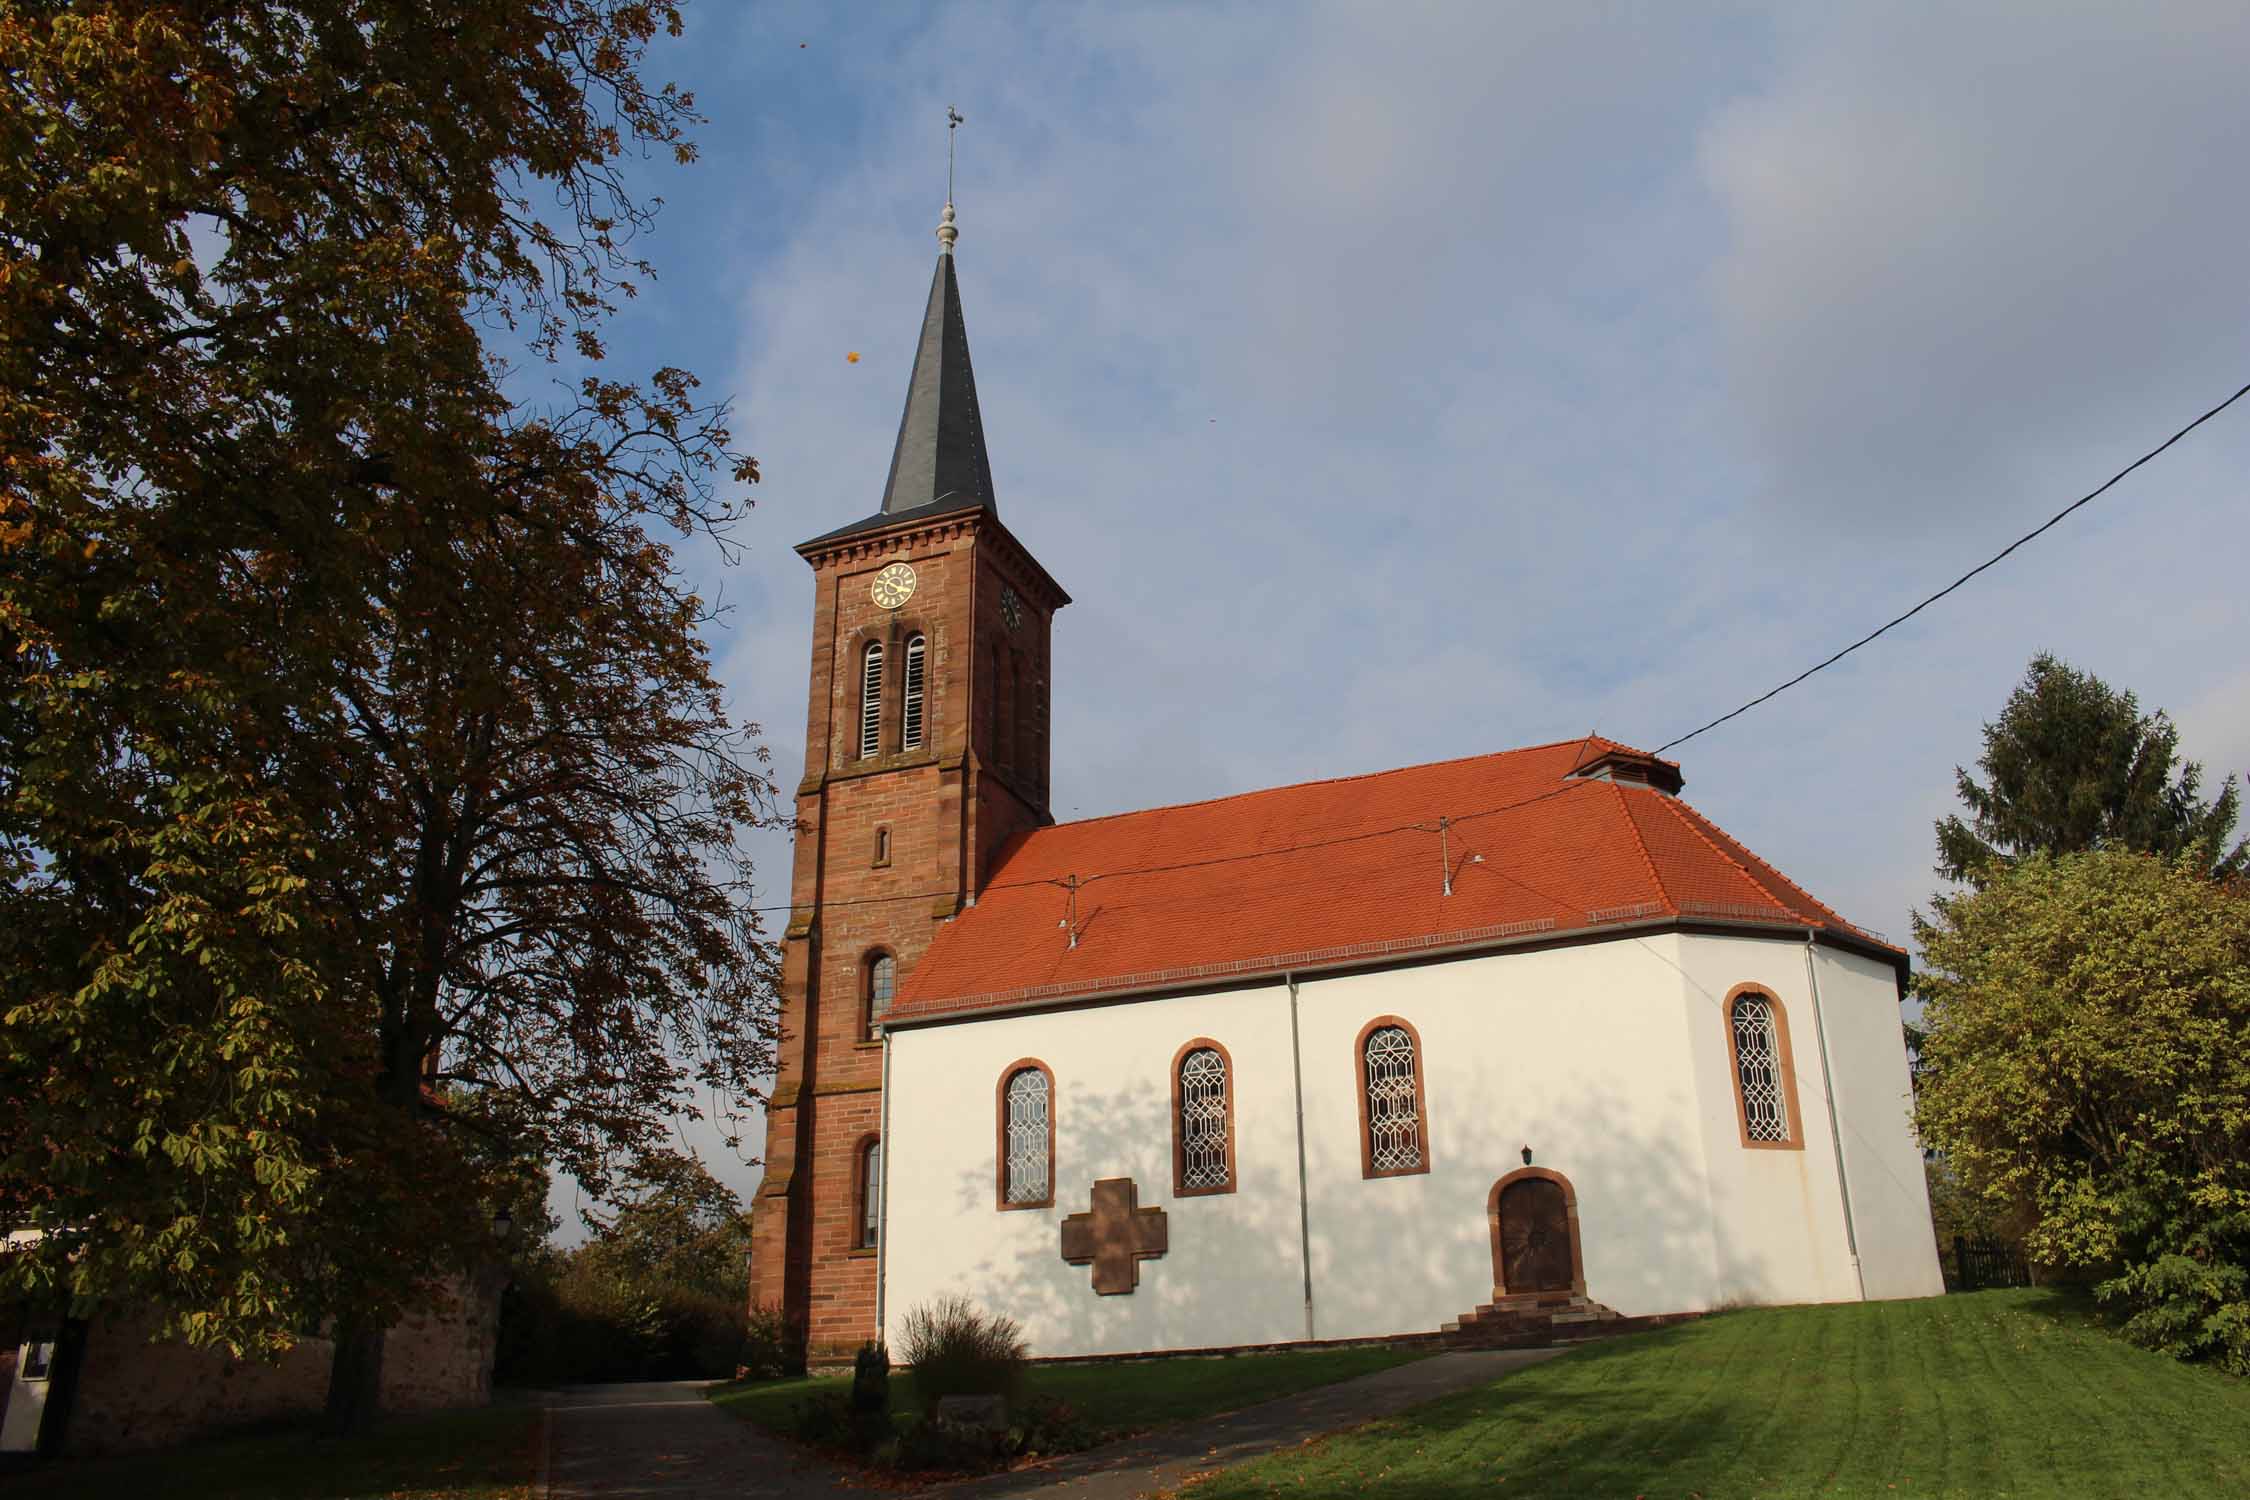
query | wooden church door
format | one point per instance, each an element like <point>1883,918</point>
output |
<point>1534,1237</point>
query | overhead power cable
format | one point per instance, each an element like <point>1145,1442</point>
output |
<point>1198,864</point>
<point>2037,531</point>
<point>1430,827</point>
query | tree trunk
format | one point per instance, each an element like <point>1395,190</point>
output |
<point>355,1379</point>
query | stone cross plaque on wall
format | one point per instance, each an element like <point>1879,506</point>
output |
<point>1115,1236</point>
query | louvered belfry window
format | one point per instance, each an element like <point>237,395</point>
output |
<point>1757,1066</point>
<point>871,700</point>
<point>1030,1127</point>
<point>1394,1123</point>
<point>1203,1120</point>
<point>912,718</point>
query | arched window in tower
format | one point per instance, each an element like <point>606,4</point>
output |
<point>1394,1126</point>
<point>870,1174</point>
<point>1027,1136</point>
<point>987,749</point>
<point>878,981</point>
<point>871,700</point>
<point>911,737</point>
<point>1764,1077</point>
<point>1202,1120</point>
<point>1027,750</point>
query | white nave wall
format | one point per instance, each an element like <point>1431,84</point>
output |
<point>1608,1059</point>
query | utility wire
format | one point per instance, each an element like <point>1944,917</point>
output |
<point>1506,807</point>
<point>1062,883</point>
<point>1965,577</point>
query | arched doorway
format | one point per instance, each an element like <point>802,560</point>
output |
<point>1533,1215</point>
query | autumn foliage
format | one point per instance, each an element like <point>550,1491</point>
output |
<point>370,812</point>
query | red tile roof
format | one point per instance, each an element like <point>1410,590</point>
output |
<point>1330,871</point>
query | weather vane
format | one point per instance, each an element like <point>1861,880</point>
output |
<point>946,232</point>
<point>953,119</point>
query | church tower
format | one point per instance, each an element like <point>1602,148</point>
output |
<point>926,749</point>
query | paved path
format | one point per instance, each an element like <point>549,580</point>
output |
<point>1163,1460</point>
<point>662,1441</point>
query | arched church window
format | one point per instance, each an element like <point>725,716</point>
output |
<point>1765,1077</point>
<point>871,700</point>
<point>911,738</point>
<point>870,1175</point>
<point>1202,1120</point>
<point>878,979</point>
<point>1394,1124</point>
<point>1027,1136</point>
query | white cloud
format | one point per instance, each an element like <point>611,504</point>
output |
<point>1396,383</point>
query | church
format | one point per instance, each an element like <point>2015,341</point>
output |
<point>1388,1054</point>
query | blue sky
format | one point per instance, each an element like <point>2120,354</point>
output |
<point>1403,382</point>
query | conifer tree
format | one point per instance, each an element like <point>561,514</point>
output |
<point>2072,764</point>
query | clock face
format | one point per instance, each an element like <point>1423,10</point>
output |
<point>1011,608</point>
<point>894,585</point>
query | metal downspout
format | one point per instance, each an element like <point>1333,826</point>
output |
<point>1835,1129</point>
<point>883,1197</point>
<point>1304,1208</point>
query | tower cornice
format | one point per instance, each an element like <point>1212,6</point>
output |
<point>856,545</point>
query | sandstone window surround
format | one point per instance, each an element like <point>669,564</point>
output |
<point>1765,1071</point>
<point>878,981</point>
<point>1394,1125</point>
<point>1025,1144</point>
<point>868,1177</point>
<point>1202,1119</point>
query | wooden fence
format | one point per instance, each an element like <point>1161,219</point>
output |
<point>1982,1263</point>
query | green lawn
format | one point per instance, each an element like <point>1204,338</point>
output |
<point>1992,1394</point>
<point>1118,1398</point>
<point>473,1455</point>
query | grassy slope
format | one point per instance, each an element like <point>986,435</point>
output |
<point>1120,1398</point>
<point>477,1455</point>
<point>1995,1394</point>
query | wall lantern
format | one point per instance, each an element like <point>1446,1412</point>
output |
<point>1527,1156</point>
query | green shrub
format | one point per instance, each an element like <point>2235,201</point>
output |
<point>772,1346</point>
<point>1050,1424</point>
<point>824,1420</point>
<point>956,1349</point>
<point>958,1447</point>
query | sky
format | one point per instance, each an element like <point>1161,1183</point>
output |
<point>1394,383</point>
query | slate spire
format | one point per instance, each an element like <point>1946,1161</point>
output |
<point>940,454</point>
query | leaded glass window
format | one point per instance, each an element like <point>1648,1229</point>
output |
<point>870,1193</point>
<point>911,717</point>
<point>1757,1069</point>
<point>1394,1117</point>
<point>1030,1133</point>
<point>871,700</point>
<point>1203,1120</point>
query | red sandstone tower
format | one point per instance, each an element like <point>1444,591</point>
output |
<point>925,751</point>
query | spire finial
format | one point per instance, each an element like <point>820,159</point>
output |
<point>946,233</point>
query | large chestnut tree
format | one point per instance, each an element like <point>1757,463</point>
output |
<point>371,818</point>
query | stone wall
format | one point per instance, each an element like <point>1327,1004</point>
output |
<point>133,1393</point>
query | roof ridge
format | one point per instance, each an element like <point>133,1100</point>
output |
<point>1812,900</point>
<point>1633,827</point>
<point>1291,786</point>
<point>1679,810</point>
